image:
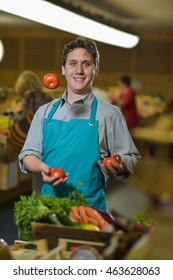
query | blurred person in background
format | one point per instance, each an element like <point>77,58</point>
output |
<point>25,88</point>
<point>125,99</point>
<point>29,90</point>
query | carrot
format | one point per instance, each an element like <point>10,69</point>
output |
<point>96,216</point>
<point>92,221</point>
<point>75,211</point>
<point>83,215</point>
<point>76,214</point>
<point>73,218</point>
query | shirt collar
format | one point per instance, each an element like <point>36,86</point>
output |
<point>87,100</point>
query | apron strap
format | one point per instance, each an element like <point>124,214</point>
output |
<point>54,108</point>
<point>93,111</point>
<point>92,115</point>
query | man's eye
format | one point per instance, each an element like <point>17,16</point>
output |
<point>87,64</point>
<point>73,64</point>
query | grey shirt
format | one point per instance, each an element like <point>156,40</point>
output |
<point>113,133</point>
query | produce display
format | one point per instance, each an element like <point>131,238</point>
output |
<point>89,218</point>
<point>67,228</point>
<point>151,105</point>
<point>2,138</point>
<point>4,123</point>
<point>47,209</point>
<point>71,218</point>
<point>72,211</point>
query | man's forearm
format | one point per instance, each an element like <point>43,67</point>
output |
<point>32,163</point>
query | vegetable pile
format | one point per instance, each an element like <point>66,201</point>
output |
<point>70,211</point>
<point>88,216</point>
<point>48,209</point>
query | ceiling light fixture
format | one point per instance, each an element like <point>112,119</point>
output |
<point>1,50</point>
<point>60,18</point>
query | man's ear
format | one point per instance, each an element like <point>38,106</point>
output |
<point>63,70</point>
<point>97,70</point>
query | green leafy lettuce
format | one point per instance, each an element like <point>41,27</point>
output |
<point>35,208</point>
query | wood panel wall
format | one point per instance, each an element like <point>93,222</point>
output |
<point>39,50</point>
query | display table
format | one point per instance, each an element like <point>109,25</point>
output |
<point>13,182</point>
<point>153,173</point>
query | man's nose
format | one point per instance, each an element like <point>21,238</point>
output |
<point>79,69</point>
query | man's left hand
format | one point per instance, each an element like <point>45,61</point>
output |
<point>113,169</point>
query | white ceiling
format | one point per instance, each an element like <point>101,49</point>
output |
<point>135,14</point>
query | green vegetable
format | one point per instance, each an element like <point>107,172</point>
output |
<point>37,208</point>
<point>66,220</point>
<point>53,219</point>
<point>143,220</point>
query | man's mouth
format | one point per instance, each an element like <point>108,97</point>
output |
<point>79,78</point>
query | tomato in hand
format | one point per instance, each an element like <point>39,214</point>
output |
<point>112,160</point>
<point>57,172</point>
<point>51,81</point>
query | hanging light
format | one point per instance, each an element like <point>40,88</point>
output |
<point>60,18</point>
<point>1,50</point>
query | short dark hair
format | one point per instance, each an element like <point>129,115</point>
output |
<point>125,79</point>
<point>84,43</point>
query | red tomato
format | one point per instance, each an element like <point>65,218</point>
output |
<point>57,172</point>
<point>111,160</point>
<point>51,81</point>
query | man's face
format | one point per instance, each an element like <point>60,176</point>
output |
<point>79,71</point>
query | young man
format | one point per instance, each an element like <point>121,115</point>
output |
<point>77,131</point>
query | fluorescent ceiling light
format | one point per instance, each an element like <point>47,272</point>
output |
<point>1,50</point>
<point>60,18</point>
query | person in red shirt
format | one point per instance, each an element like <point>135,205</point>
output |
<point>126,101</point>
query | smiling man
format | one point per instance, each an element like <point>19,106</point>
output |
<point>76,132</point>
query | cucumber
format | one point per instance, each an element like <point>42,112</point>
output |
<point>53,219</point>
<point>66,220</point>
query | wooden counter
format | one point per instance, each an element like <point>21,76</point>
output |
<point>13,182</point>
<point>152,135</point>
<point>154,172</point>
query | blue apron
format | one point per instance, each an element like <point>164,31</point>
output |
<point>73,146</point>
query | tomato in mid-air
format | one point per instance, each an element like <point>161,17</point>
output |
<point>57,172</point>
<point>112,160</point>
<point>51,81</point>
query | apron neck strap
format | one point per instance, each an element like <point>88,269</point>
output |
<point>58,102</point>
<point>54,108</point>
<point>93,111</point>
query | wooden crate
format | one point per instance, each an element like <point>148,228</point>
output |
<point>52,233</point>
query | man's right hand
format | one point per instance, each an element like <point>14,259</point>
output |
<point>54,181</point>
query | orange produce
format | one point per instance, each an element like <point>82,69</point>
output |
<point>93,213</point>
<point>51,81</point>
<point>75,214</point>
<point>112,160</point>
<point>88,216</point>
<point>83,215</point>
<point>57,172</point>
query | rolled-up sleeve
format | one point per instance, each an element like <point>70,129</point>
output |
<point>33,143</point>
<point>121,142</point>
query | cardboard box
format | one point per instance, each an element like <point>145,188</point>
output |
<point>8,175</point>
